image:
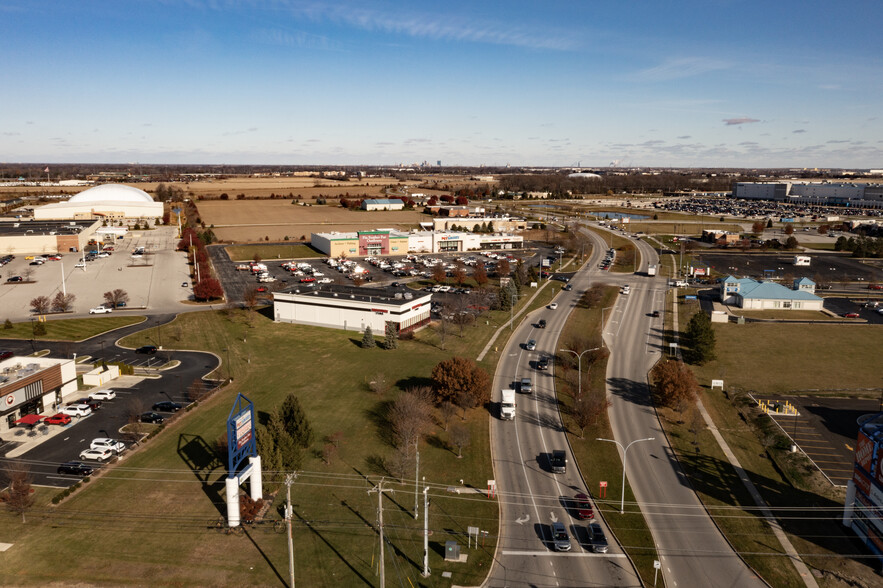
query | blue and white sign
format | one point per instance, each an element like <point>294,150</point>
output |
<point>241,442</point>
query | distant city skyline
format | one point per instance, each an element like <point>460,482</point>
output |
<point>697,83</point>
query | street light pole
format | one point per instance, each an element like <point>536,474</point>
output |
<point>625,451</point>
<point>579,395</point>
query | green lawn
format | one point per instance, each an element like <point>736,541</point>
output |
<point>154,508</point>
<point>626,260</point>
<point>71,329</point>
<point>272,251</point>
<point>598,460</point>
<point>773,358</point>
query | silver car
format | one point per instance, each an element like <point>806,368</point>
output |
<point>531,345</point>
<point>560,539</point>
<point>599,540</point>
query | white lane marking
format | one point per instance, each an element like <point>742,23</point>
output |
<point>522,520</point>
<point>553,517</point>
<point>565,554</point>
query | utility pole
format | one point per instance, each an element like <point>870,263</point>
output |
<point>379,489</point>
<point>416,478</point>
<point>425,530</point>
<point>289,511</point>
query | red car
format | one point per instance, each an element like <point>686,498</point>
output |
<point>851,315</point>
<point>583,507</point>
<point>261,289</point>
<point>307,280</point>
<point>58,419</point>
<point>875,286</point>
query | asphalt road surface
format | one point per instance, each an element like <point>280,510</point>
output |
<point>531,496</point>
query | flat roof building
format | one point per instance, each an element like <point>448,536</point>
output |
<point>393,242</point>
<point>352,308</point>
<point>822,193</point>
<point>32,236</point>
<point>34,386</point>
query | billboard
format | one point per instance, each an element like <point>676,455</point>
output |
<point>864,451</point>
<point>240,434</point>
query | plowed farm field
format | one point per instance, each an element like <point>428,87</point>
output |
<point>256,220</point>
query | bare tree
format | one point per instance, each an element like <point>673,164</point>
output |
<point>379,384</point>
<point>19,495</point>
<point>250,298</point>
<point>460,437</point>
<point>586,412</point>
<point>63,302</point>
<point>410,415</point>
<point>114,297</point>
<point>41,304</point>
<point>447,410</point>
<point>196,390</point>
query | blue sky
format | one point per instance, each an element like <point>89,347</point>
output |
<point>780,83</point>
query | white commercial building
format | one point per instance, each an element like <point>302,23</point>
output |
<point>353,308</point>
<point>34,386</point>
<point>392,242</point>
<point>822,193</point>
<point>107,201</point>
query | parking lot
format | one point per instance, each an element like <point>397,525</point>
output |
<point>153,281</point>
<point>826,430</point>
<point>825,268</point>
<point>384,270</point>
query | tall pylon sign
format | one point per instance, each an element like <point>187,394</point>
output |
<point>241,447</point>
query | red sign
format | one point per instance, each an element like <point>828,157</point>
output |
<point>379,310</point>
<point>864,451</point>
<point>602,489</point>
<point>10,400</point>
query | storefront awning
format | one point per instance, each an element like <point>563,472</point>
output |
<point>30,419</point>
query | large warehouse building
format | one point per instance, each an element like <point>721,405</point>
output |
<point>353,308</point>
<point>822,193</point>
<point>107,202</point>
<point>392,242</point>
<point>19,237</point>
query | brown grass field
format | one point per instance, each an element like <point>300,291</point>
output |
<point>252,220</point>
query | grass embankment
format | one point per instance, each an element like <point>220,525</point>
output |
<point>72,329</point>
<point>818,246</point>
<point>154,508</point>
<point>692,227</point>
<point>598,460</point>
<point>245,253</point>
<point>773,359</point>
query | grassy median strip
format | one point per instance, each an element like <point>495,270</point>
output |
<point>626,253</point>
<point>271,251</point>
<point>156,506</point>
<point>599,461</point>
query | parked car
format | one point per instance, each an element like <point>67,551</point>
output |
<point>104,443</point>
<point>103,395</point>
<point>531,345</point>
<point>599,540</point>
<point>147,349</point>
<point>100,310</point>
<point>57,419</point>
<point>5,354</point>
<point>78,410</point>
<point>583,507</point>
<point>851,315</point>
<point>90,402</point>
<point>567,288</point>
<point>75,468</point>
<point>560,539</point>
<point>102,454</point>
<point>15,279</point>
<point>167,406</point>
<point>152,417</point>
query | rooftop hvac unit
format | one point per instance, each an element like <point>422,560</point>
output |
<point>398,295</point>
<point>408,296</point>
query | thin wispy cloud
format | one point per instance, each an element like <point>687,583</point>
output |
<point>797,131</point>
<point>294,39</point>
<point>675,69</point>
<point>740,121</point>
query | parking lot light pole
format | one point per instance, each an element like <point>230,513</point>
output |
<point>624,455</point>
<point>579,395</point>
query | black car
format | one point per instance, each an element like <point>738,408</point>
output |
<point>543,364</point>
<point>15,279</point>
<point>152,417</point>
<point>148,349</point>
<point>541,324</point>
<point>75,468</point>
<point>91,403</point>
<point>167,406</point>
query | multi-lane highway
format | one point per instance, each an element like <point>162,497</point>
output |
<point>531,496</point>
<point>691,549</point>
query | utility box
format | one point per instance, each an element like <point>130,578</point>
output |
<point>452,551</point>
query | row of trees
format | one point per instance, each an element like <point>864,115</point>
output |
<point>207,287</point>
<point>59,303</point>
<point>860,246</point>
<point>391,340</point>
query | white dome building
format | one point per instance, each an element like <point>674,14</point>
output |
<point>107,201</point>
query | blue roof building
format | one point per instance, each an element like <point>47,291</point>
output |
<point>759,295</point>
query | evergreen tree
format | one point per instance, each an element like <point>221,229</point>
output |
<point>295,422</point>
<point>392,336</point>
<point>271,458</point>
<point>769,223</point>
<point>290,453</point>
<point>700,338</point>
<point>368,338</point>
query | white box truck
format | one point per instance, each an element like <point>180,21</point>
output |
<point>507,406</point>
<point>802,260</point>
<point>651,270</point>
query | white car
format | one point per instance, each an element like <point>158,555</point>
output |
<point>100,310</point>
<point>103,395</point>
<point>553,306</point>
<point>110,444</point>
<point>104,254</point>
<point>76,410</point>
<point>81,264</point>
<point>325,281</point>
<point>96,454</point>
